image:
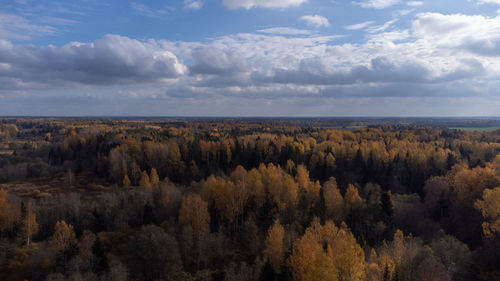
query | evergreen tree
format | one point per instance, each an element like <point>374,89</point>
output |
<point>267,272</point>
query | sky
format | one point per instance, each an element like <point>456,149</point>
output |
<point>250,58</point>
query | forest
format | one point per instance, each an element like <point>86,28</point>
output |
<point>248,199</point>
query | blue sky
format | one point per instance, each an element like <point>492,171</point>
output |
<point>250,57</point>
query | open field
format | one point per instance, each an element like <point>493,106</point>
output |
<point>84,184</point>
<point>476,129</point>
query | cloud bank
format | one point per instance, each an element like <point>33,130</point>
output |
<point>451,57</point>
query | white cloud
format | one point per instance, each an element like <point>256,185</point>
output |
<point>110,60</point>
<point>390,37</point>
<point>217,61</point>
<point>23,2</point>
<point>376,4</point>
<point>315,20</point>
<point>193,4</point>
<point>489,2</point>
<point>358,26</point>
<point>400,13</point>
<point>249,4</point>
<point>477,34</point>
<point>58,21</point>
<point>17,27</point>
<point>285,31</point>
<point>415,3</point>
<point>439,56</point>
<point>147,11</point>
<point>383,27</point>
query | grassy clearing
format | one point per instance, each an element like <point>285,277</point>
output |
<point>84,184</point>
<point>476,129</point>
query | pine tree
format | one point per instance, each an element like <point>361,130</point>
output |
<point>267,272</point>
<point>148,216</point>
<point>386,208</point>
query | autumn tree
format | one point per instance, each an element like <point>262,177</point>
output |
<point>170,198</point>
<point>489,206</point>
<point>468,184</point>
<point>153,177</point>
<point>348,257</point>
<point>327,253</point>
<point>330,163</point>
<point>373,271</point>
<point>63,237</point>
<point>30,225</point>
<point>144,181</point>
<point>290,167</point>
<point>64,242</point>
<point>194,212</point>
<point>242,188</point>
<point>351,198</point>
<point>398,247</point>
<point>223,195</point>
<point>126,181</point>
<point>274,245</point>
<point>305,182</point>
<point>281,188</point>
<point>334,202</point>
<point>256,187</point>
<point>309,262</point>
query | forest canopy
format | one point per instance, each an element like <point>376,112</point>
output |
<point>247,199</point>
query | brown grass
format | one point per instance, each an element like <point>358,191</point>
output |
<point>85,184</point>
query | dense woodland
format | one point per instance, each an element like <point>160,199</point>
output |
<point>247,200</point>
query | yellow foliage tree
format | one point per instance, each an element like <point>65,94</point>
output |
<point>194,212</point>
<point>327,253</point>
<point>373,272</point>
<point>280,186</point>
<point>348,257</point>
<point>64,236</point>
<point>290,167</point>
<point>330,163</point>
<point>309,261</point>
<point>227,199</point>
<point>256,187</point>
<point>334,203</point>
<point>302,177</point>
<point>274,247</point>
<point>399,247</point>
<point>468,184</point>
<point>126,181</point>
<point>30,226</point>
<point>304,181</point>
<point>352,198</point>
<point>144,181</point>
<point>154,179</point>
<point>489,207</point>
